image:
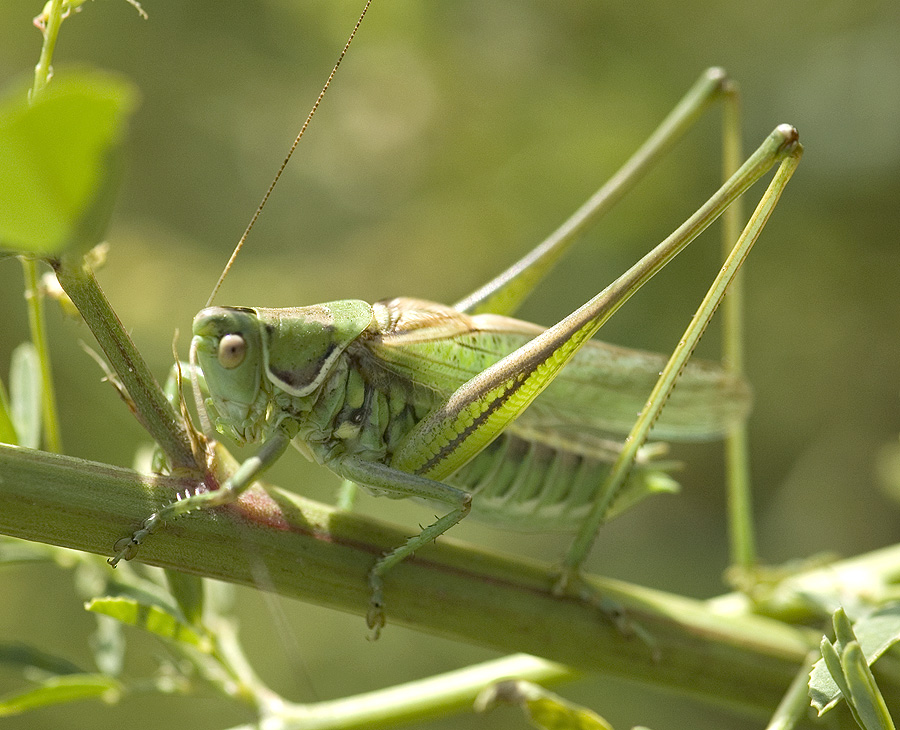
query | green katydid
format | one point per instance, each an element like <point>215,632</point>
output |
<point>466,408</point>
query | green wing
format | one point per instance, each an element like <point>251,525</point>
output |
<point>599,393</point>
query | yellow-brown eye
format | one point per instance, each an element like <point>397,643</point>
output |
<point>232,349</point>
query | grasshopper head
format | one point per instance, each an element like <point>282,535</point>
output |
<point>229,352</point>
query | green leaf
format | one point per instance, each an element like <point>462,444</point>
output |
<point>60,162</point>
<point>831,660</point>
<point>543,709</point>
<point>57,690</point>
<point>843,629</point>
<point>25,392</point>
<point>867,699</point>
<point>876,633</point>
<point>16,551</point>
<point>553,713</point>
<point>108,645</point>
<point>25,656</point>
<point>151,617</point>
<point>188,592</point>
<point>7,430</point>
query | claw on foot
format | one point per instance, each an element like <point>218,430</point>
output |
<point>569,582</point>
<point>566,579</point>
<point>127,547</point>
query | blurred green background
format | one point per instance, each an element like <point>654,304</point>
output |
<point>455,137</point>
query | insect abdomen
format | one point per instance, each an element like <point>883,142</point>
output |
<point>530,486</point>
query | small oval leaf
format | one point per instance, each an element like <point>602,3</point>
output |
<point>152,618</point>
<point>60,162</point>
<point>57,690</point>
<point>867,700</point>
<point>16,654</point>
<point>876,632</point>
<point>544,709</point>
<point>25,395</point>
<point>7,430</point>
<point>188,592</point>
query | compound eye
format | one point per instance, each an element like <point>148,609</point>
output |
<point>232,349</point>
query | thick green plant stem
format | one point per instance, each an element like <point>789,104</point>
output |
<point>714,650</point>
<point>148,401</point>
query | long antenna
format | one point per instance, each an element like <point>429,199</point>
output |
<point>265,198</point>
